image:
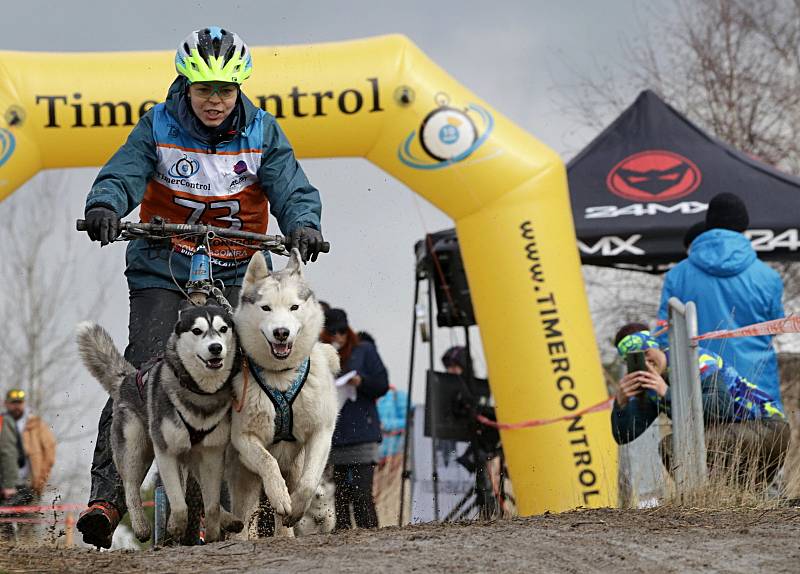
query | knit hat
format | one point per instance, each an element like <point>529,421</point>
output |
<point>727,211</point>
<point>335,321</point>
<point>455,357</point>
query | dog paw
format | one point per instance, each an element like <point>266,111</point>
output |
<point>141,528</point>
<point>229,522</point>
<point>279,499</point>
<point>213,533</point>
<point>178,520</point>
<point>301,498</point>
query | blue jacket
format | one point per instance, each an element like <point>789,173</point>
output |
<point>392,412</point>
<point>358,420</point>
<point>727,398</point>
<point>731,288</point>
<point>121,185</point>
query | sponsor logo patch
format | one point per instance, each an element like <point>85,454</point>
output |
<point>184,167</point>
<point>240,167</point>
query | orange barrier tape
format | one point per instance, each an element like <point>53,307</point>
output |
<point>790,324</point>
<point>25,520</point>
<point>50,508</point>
<point>601,406</point>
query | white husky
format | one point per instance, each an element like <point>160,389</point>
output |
<point>284,422</point>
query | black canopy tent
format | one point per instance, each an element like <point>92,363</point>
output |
<point>639,185</point>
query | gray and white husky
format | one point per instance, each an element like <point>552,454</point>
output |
<point>178,409</point>
<point>278,323</point>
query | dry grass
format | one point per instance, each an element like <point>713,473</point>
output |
<point>743,460</point>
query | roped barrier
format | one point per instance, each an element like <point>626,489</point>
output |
<point>790,324</point>
<point>25,509</point>
<point>599,407</point>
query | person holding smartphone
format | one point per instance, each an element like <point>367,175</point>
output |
<point>738,414</point>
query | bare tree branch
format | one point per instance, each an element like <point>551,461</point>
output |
<point>39,308</point>
<point>732,67</point>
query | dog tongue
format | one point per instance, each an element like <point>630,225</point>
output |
<point>281,347</point>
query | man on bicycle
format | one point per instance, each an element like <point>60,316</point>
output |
<point>205,155</point>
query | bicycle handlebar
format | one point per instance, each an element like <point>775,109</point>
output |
<point>130,230</point>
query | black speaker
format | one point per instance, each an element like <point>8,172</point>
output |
<point>439,257</point>
<point>452,422</point>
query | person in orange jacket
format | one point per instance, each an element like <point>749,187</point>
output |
<point>36,450</point>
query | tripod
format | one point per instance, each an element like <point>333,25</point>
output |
<point>426,331</point>
<point>438,262</point>
<point>481,496</point>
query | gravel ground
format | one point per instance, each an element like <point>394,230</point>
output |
<point>660,540</point>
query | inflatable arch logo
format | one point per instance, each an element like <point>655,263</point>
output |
<point>383,99</point>
<point>447,136</point>
<point>6,145</point>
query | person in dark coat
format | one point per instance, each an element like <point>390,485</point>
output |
<point>354,453</point>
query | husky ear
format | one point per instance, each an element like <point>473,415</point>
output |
<point>183,306</point>
<point>256,270</point>
<point>295,266</point>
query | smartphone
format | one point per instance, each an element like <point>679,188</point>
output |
<point>635,360</point>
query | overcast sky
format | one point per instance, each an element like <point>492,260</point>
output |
<point>519,56</point>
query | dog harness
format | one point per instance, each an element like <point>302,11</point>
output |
<point>195,436</point>
<point>143,376</point>
<point>282,400</point>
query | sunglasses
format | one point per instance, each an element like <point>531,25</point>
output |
<point>208,91</point>
<point>342,331</point>
<point>15,395</point>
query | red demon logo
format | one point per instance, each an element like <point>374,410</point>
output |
<point>654,175</point>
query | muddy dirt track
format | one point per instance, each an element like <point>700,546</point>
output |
<point>660,540</point>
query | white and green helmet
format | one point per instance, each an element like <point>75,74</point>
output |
<point>213,55</point>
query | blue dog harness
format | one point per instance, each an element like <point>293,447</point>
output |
<point>282,400</point>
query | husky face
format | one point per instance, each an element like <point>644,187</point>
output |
<point>205,342</point>
<point>278,319</point>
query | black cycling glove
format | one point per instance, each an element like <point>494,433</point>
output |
<point>308,241</point>
<point>102,224</point>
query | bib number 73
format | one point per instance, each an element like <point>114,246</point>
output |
<point>199,208</point>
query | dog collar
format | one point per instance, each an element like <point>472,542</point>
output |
<point>282,400</point>
<point>187,382</point>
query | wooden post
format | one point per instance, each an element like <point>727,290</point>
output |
<point>789,364</point>
<point>688,432</point>
<point>69,527</point>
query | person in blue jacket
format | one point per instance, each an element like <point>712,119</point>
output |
<point>205,155</point>
<point>354,451</point>
<point>739,416</point>
<point>731,288</point>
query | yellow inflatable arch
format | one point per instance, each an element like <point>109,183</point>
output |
<point>383,99</point>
